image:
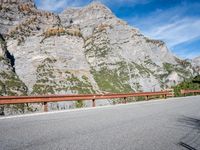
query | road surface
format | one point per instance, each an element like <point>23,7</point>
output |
<point>170,124</point>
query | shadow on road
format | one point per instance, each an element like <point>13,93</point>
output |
<point>191,140</point>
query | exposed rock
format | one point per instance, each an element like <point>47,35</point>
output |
<point>81,50</point>
<point>10,83</point>
<point>196,61</point>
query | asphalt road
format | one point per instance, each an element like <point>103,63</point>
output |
<point>171,124</point>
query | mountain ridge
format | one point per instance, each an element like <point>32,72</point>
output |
<point>83,50</point>
<point>80,51</point>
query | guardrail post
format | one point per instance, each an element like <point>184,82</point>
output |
<point>183,92</point>
<point>45,107</point>
<point>124,100</point>
<point>93,103</point>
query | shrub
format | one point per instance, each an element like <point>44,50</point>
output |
<point>190,84</point>
<point>79,104</point>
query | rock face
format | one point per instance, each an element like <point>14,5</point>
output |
<point>196,61</point>
<point>10,84</point>
<point>81,50</point>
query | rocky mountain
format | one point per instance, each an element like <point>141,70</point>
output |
<point>81,50</point>
<point>196,61</point>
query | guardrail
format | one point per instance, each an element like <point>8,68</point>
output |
<point>171,92</point>
<point>57,98</point>
<point>184,92</point>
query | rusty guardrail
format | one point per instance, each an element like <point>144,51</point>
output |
<point>57,98</point>
<point>184,92</point>
<point>171,92</point>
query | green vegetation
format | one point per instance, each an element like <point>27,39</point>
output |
<point>158,42</point>
<point>11,84</point>
<point>192,84</point>
<point>98,47</point>
<point>81,86</point>
<point>45,73</point>
<point>1,58</point>
<point>196,79</point>
<point>168,67</point>
<point>112,80</point>
<point>148,61</point>
<point>180,69</point>
<point>184,63</point>
<point>79,104</point>
<point>142,70</point>
<point>117,79</point>
<point>112,77</point>
<point>49,83</point>
<point>2,88</point>
<point>98,51</point>
<point>43,89</point>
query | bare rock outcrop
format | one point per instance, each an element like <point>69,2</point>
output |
<point>81,50</point>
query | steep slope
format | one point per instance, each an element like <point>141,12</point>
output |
<point>85,50</point>
<point>120,57</point>
<point>196,61</point>
<point>10,84</point>
<point>33,39</point>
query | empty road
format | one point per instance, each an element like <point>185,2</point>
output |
<point>170,124</point>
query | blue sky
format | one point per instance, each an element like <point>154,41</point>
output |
<point>177,22</point>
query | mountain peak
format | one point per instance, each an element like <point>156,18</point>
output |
<point>196,60</point>
<point>97,3</point>
<point>94,5</point>
<point>77,50</point>
<point>89,16</point>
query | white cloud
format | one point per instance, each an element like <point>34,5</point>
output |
<point>175,26</point>
<point>171,25</point>
<point>51,5</point>
<point>187,53</point>
<point>57,5</point>
<point>177,32</point>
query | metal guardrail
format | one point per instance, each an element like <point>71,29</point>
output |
<point>184,92</point>
<point>171,92</point>
<point>57,98</point>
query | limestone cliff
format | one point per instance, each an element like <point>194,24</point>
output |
<point>81,50</point>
